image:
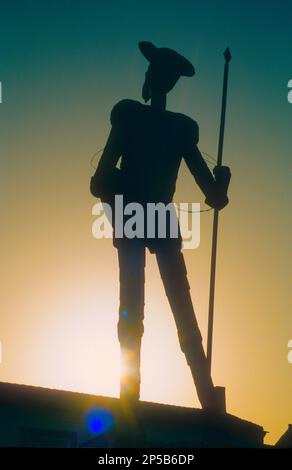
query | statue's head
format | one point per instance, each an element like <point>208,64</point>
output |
<point>165,68</point>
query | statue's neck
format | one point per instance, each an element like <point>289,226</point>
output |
<point>159,101</point>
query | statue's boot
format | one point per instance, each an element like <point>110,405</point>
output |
<point>131,315</point>
<point>174,275</point>
<point>130,380</point>
<point>130,373</point>
<point>211,398</point>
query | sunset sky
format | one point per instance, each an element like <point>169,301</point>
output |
<point>63,65</point>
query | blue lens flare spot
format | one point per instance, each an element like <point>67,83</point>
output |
<point>124,314</point>
<point>99,420</point>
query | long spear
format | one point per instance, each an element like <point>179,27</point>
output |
<point>227,56</point>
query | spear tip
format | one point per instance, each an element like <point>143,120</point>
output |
<point>227,54</point>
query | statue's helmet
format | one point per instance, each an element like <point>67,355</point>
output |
<point>165,68</point>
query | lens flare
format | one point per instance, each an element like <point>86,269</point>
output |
<point>99,420</point>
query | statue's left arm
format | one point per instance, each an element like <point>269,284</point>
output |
<point>214,187</point>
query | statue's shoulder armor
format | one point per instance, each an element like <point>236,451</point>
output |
<point>123,110</point>
<point>189,125</point>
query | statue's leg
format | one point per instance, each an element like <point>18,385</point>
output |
<point>174,275</point>
<point>131,315</point>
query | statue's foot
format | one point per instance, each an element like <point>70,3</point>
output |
<point>217,401</point>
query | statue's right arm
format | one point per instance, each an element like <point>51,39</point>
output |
<point>113,149</point>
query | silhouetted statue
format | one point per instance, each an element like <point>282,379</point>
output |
<point>151,143</point>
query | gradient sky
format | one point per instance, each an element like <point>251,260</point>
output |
<point>63,65</point>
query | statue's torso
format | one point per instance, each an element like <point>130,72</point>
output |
<point>154,142</point>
